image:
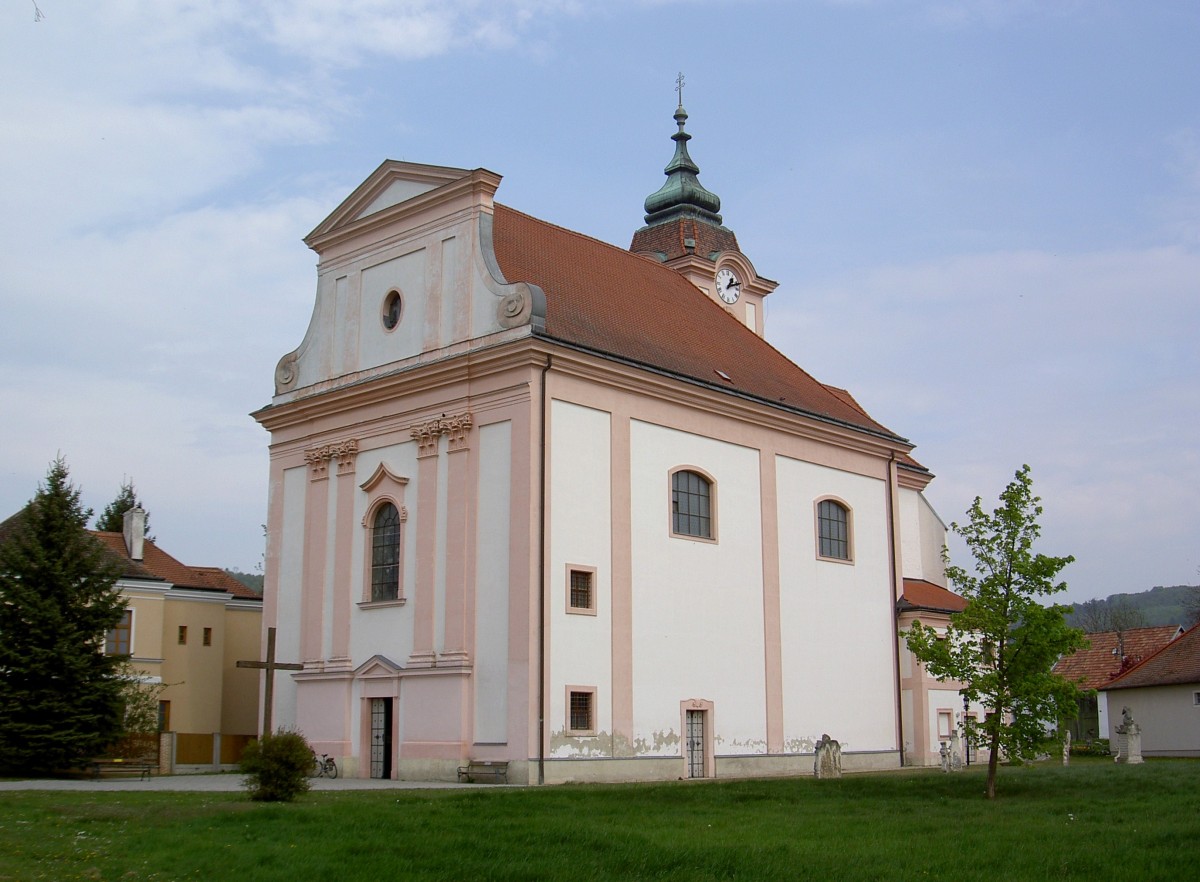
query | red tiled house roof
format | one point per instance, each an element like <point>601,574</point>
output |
<point>157,564</point>
<point>1175,664</point>
<point>614,303</point>
<point>922,595</point>
<point>1097,665</point>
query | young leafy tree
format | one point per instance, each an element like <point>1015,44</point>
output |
<point>1004,644</point>
<point>112,519</point>
<point>60,695</point>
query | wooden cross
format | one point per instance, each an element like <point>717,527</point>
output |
<point>270,666</point>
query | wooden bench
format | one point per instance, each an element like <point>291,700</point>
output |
<point>495,771</point>
<point>144,768</point>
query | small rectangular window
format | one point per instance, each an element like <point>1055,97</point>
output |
<point>581,590</point>
<point>581,712</point>
<point>120,639</point>
<point>183,635</point>
<point>208,636</point>
<point>945,724</point>
<point>1196,698</point>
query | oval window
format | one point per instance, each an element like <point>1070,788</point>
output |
<point>391,310</point>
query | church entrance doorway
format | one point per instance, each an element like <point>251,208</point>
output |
<point>381,738</point>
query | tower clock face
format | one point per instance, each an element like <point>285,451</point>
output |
<point>729,286</point>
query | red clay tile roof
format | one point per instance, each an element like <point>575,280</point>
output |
<point>1174,664</point>
<point>919,594</point>
<point>667,239</point>
<point>157,564</point>
<point>1097,665</point>
<point>615,303</point>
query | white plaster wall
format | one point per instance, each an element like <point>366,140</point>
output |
<point>406,273</point>
<point>836,618</point>
<point>580,534</point>
<point>291,569</point>
<point>491,583</point>
<point>941,700</point>
<point>922,536</point>
<point>1168,716</point>
<point>386,631</point>
<point>697,606</point>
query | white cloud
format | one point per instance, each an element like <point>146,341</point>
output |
<point>1082,365</point>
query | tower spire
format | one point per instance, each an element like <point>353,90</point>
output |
<point>682,195</point>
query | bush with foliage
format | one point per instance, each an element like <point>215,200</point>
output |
<point>277,767</point>
<point>1095,747</point>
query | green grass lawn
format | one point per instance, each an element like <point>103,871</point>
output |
<point>1093,821</point>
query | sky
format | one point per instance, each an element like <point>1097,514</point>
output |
<point>984,218</point>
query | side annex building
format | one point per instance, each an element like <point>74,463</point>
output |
<point>541,500</point>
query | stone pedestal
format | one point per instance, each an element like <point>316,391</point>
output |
<point>1129,740</point>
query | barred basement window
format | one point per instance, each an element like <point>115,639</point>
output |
<point>581,592</point>
<point>581,712</point>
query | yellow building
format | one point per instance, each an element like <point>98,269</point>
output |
<point>187,627</point>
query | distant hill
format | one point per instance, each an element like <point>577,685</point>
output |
<point>1158,606</point>
<point>253,581</point>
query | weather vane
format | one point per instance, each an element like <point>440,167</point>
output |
<point>679,87</point>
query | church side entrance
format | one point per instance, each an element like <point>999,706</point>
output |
<point>696,718</point>
<point>381,738</point>
<point>695,744</point>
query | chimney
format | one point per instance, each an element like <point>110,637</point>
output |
<point>135,532</point>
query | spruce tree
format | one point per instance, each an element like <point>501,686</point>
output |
<point>112,519</point>
<point>60,695</point>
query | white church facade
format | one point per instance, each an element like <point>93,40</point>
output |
<point>540,500</point>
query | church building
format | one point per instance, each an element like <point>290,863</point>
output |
<point>539,500</point>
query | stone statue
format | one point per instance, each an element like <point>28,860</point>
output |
<point>944,753</point>
<point>828,760</point>
<point>1067,748</point>
<point>1129,739</point>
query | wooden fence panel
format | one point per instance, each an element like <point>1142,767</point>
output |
<point>192,749</point>
<point>232,747</point>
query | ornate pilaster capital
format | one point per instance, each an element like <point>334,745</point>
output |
<point>427,434</point>
<point>318,458</point>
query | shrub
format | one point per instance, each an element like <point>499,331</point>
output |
<point>277,767</point>
<point>1095,747</point>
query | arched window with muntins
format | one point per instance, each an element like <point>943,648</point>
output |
<point>691,504</point>
<point>385,553</point>
<point>833,530</point>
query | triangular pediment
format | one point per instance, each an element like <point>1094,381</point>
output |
<point>377,667</point>
<point>391,184</point>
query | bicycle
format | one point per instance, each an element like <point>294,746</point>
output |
<point>323,767</point>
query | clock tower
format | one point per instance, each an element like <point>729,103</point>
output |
<point>684,231</point>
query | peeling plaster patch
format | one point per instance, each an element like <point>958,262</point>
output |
<point>660,744</point>
<point>564,746</point>
<point>807,744</point>
<point>749,746</point>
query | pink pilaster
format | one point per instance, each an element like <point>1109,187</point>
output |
<point>455,649</point>
<point>342,599</point>
<point>428,438</point>
<point>316,527</point>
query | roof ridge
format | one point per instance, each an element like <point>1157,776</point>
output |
<point>1168,645</point>
<point>754,339</point>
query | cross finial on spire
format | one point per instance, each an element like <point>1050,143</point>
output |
<point>679,87</point>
